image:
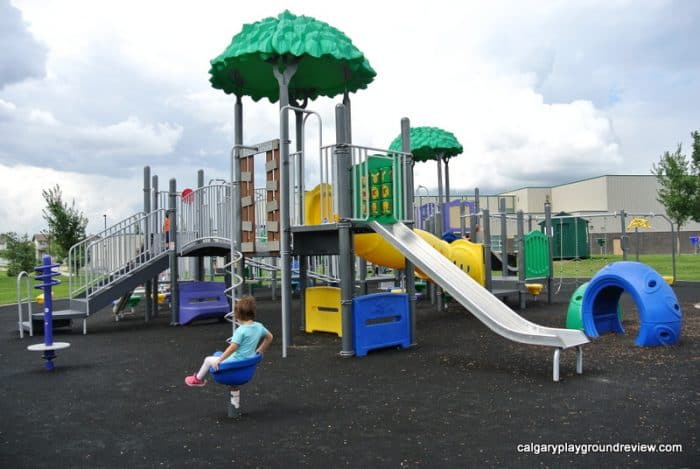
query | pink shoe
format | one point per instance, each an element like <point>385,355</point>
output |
<point>194,381</point>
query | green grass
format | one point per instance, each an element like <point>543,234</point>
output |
<point>687,268</point>
<point>687,265</point>
<point>8,288</point>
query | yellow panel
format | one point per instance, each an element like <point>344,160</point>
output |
<point>323,310</point>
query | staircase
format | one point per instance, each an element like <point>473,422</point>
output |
<point>114,262</point>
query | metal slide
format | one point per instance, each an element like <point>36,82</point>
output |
<point>486,307</point>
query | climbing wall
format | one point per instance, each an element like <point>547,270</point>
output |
<point>272,186</point>
<point>248,204</point>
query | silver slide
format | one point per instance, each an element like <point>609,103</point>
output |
<point>486,307</point>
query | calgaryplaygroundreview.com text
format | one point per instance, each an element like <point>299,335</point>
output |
<point>586,448</point>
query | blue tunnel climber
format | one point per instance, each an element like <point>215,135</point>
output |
<point>660,315</point>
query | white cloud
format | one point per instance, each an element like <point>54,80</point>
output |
<point>130,136</point>
<point>21,210</point>
<point>537,93</point>
<point>81,146</point>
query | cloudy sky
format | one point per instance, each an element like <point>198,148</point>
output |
<point>538,92</point>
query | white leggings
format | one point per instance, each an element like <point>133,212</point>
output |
<point>208,363</point>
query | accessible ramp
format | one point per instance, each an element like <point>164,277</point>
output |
<point>495,314</point>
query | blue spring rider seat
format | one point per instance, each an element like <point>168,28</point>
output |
<point>237,372</point>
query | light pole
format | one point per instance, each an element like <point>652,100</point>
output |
<point>105,217</point>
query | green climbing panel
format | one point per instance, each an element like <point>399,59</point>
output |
<point>536,255</point>
<point>378,193</point>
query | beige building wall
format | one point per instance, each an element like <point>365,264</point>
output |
<point>589,195</point>
<point>530,199</point>
<point>634,194</point>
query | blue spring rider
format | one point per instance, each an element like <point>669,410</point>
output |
<point>49,347</point>
<point>235,374</point>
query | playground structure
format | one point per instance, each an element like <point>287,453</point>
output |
<point>363,202</point>
<point>135,251</point>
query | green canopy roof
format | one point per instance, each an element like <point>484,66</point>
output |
<point>328,63</point>
<point>430,143</point>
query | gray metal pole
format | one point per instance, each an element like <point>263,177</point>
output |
<point>504,236</point>
<point>673,251</point>
<point>623,235</point>
<point>520,246</point>
<point>473,227</point>
<point>409,268</point>
<point>486,233</point>
<point>199,262</point>
<point>147,244</point>
<point>441,201</point>
<point>345,258</point>
<point>447,179</point>
<point>174,287</point>
<point>348,135</point>
<point>283,79</point>
<point>303,260</point>
<point>236,225</point>
<point>550,240</point>
<point>462,219</point>
<point>155,230</point>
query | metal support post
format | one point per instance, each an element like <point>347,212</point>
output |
<point>147,247</point>
<point>486,233</point>
<point>155,229</point>
<point>283,79</point>
<point>550,241</point>
<point>172,246</point>
<point>520,246</point>
<point>346,257</point>
<point>199,262</point>
<point>409,268</point>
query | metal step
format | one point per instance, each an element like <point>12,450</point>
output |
<point>64,314</point>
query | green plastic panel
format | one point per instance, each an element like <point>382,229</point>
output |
<point>536,255</point>
<point>378,193</point>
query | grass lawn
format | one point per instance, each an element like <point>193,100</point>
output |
<point>8,288</point>
<point>687,265</point>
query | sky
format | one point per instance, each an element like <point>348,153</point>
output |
<point>539,93</point>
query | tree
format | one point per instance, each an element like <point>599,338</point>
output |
<point>66,223</point>
<point>695,215</point>
<point>679,187</point>
<point>20,254</point>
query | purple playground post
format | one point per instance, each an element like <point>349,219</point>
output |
<point>46,274</point>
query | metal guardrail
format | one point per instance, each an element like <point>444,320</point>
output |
<point>359,157</point>
<point>205,215</point>
<point>103,259</point>
<point>24,302</point>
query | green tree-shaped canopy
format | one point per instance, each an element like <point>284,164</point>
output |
<point>430,143</point>
<point>328,63</point>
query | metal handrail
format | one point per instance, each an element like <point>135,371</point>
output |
<point>101,260</point>
<point>205,214</point>
<point>21,300</point>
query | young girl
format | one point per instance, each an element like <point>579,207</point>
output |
<point>244,342</point>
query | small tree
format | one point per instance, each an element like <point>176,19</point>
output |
<point>695,173</point>
<point>678,191</point>
<point>20,254</point>
<point>66,223</point>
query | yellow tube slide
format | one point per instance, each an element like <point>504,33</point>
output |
<point>370,246</point>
